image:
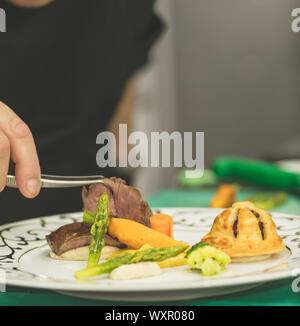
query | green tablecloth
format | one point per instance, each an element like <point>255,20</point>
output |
<point>272,293</point>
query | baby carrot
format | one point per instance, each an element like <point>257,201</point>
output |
<point>224,197</point>
<point>162,223</point>
<point>135,234</point>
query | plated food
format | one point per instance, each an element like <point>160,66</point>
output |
<point>245,230</point>
<point>124,202</point>
<point>119,227</point>
<point>26,260</point>
<point>207,259</point>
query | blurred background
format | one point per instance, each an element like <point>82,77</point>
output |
<point>228,68</point>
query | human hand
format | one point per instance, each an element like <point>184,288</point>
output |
<point>17,145</point>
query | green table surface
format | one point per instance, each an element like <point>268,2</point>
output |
<point>277,293</point>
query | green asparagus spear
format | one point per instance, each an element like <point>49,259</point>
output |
<point>98,230</point>
<point>268,201</point>
<point>88,217</point>
<point>152,254</point>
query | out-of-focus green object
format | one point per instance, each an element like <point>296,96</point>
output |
<point>255,171</point>
<point>268,201</point>
<point>207,179</point>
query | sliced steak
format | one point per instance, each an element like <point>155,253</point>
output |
<point>75,235</point>
<point>124,201</point>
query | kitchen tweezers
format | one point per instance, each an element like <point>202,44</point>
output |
<point>56,181</point>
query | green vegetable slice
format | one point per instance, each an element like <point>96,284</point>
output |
<point>206,259</point>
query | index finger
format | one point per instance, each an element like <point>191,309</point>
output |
<point>23,152</point>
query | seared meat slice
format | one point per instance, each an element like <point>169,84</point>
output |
<point>75,235</point>
<point>124,201</point>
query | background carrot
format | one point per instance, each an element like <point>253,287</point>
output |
<point>162,223</point>
<point>224,197</point>
<point>135,235</point>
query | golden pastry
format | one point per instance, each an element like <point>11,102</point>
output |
<point>245,230</point>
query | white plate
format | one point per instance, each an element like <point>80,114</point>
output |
<point>24,256</point>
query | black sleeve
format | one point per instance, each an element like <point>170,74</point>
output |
<point>129,29</point>
<point>147,26</point>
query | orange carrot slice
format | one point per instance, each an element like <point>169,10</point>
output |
<point>135,234</point>
<point>162,223</point>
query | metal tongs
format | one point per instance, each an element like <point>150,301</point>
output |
<point>57,181</point>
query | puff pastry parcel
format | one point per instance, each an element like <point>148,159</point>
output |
<point>245,230</point>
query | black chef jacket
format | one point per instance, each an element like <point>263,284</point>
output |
<point>63,68</point>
